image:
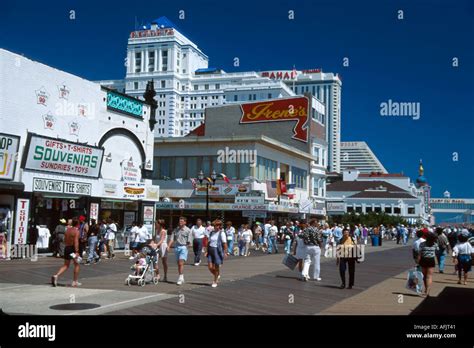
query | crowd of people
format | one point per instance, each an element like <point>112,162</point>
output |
<point>434,245</point>
<point>305,241</point>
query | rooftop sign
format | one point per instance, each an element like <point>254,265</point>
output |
<point>279,110</point>
<point>151,33</point>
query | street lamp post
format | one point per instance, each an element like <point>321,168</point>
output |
<point>208,184</point>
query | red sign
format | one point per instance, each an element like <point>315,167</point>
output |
<point>295,109</point>
<point>151,33</point>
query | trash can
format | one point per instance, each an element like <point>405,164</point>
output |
<point>375,240</point>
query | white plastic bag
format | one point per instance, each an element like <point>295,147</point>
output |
<point>415,281</point>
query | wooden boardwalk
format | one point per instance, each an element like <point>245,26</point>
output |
<point>258,284</point>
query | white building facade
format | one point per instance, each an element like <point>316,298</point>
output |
<point>82,149</point>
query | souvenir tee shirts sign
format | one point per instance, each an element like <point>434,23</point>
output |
<point>60,156</point>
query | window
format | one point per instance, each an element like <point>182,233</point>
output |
<point>316,154</point>
<point>349,209</point>
<point>396,210</point>
<point>231,170</point>
<point>164,60</point>
<point>138,62</point>
<point>218,86</point>
<point>151,61</point>
<point>368,209</point>
<point>206,86</point>
<point>235,97</point>
<point>135,85</point>
<point>358,209</point>
<point>163,83</point>
<point>196,87</point>
<point>299,177</point>
<point>388,210</point>
<point>269,96</point>
<point>164,168</point>
<point>378,209</point>
<point>265,169</point>
<point>244,170</point>
<point>411,210</point>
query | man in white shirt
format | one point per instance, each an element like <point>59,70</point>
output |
<point>230,231</point>
<point>110,236</point>
<point>132,239</point>
<point>266,230</point>
<point>416,246</point>
<point>199,232</point>
<point>272,238</point>
<point>142,236</point>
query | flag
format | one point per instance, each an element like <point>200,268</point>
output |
<point>290,188</point>
<point>271,189</point>
<point>179,180</point>
<point>209,180</point>
<point>282,184</point>
<point>193,182</point>
<point>226,179</point>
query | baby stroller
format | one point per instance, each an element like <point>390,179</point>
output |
<point>146,273</point>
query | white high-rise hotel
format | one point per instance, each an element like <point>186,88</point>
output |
<point>185,84</point>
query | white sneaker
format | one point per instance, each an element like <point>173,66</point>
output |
<point>180,280</point>
<point>318,279</point>
<point>214,285</point>
<point>196,264</point>
<point>131,258</point>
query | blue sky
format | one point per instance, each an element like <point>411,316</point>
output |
<point>407,60</point>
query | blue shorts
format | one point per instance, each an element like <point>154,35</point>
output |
<point>213,256</point>
<point>181,252</point>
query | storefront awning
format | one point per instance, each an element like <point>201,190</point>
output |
<point>12,187</point>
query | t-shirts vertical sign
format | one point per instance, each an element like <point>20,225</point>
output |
<point>21,226</point>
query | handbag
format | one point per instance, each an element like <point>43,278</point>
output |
<point>415,281</point>
<point>290,261</point>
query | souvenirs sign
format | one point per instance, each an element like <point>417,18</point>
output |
<point>284,110</point>
<point>46,154</point>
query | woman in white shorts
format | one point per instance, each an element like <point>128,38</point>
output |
<point>161,241</point>
<point>300,248</point>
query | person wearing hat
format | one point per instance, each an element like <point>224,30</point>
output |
<point>58,245</point>
<point>427,259</point>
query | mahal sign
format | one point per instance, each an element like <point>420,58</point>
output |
<point>52,155</point>
<point>8,155</point>
<point>284,110</point>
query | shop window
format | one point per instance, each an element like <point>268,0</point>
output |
<point>244,170</point>
<point>411,210</point>
<point>165,167</point>
<point>350,209</point>
<point>388,210</point>
<point>396,210</point>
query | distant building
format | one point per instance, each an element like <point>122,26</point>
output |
<point>186,85</point>
<point>392,194</point>
<point>258,155</point>
<point>358,155</point>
